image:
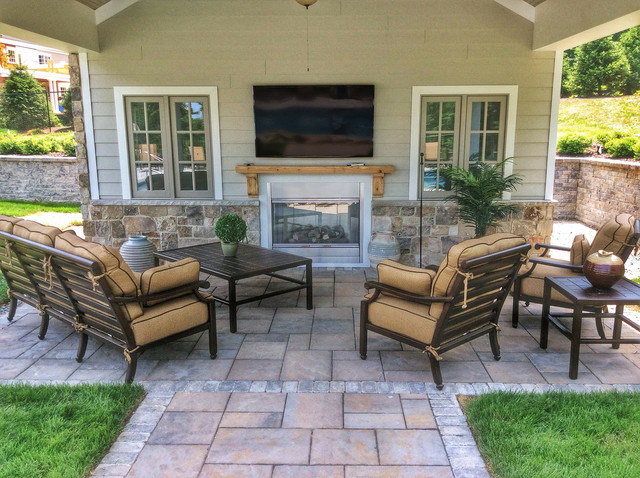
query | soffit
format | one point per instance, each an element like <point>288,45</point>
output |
<point>534,3</point>
<point>94,4</point>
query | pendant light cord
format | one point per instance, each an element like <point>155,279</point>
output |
<point>307,38</point>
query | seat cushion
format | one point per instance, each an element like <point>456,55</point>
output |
<point>613,235</point>
<point>579,250</point>
<point>34,231</point>
<point>7,222</point>
<point>411,279</point>
<point>470,249</point>
<point>533,285</point>
<point>403,317</point>
<point>120,277</point>
<point>168,318</point>
<point>169,276</point>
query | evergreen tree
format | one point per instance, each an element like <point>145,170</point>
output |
<point>630,41</point>
<point>23,102</point>
<point>568,73</point>
<point>601,69</point>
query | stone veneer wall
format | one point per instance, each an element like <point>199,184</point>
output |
<point>167,226</point>
<point>602,188</point>
<point>441,228</point>
<point>39,178</point>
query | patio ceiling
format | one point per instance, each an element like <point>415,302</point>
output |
<point>72,25</point>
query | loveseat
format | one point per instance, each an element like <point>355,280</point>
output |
<point>89,286</point>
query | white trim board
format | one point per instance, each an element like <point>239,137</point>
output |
<point>553,126</point>
<point>119,93</point>
<point>520,7</point>
<point>417,92</point>
<point>111,9</point>
<point>87,108</point>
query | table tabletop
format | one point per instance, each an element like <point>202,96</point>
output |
<point>580,291</point>
<point>249,261</point>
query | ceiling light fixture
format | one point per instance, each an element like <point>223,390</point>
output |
<point>306,3</point>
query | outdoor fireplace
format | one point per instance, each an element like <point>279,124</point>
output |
<point>321,220</point>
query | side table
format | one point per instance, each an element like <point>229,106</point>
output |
<point>582,294</point>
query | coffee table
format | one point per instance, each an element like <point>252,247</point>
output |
<point>249,261</point>
<point>582,294</point>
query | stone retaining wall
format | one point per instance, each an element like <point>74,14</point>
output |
<point>596,189</point>
<point>39,178</point>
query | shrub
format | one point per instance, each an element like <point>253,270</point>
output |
<point>636,150</point>
<point>621,147</point>
<point>573,144</point>
<point>604,138</point>
<point>38,144</point>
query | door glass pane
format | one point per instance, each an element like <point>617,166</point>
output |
<point>155,147</point>
<point>137,117</point>
<point>186,178</point>
<point>448,116</point>
<point>157,177</point>
<point>200,174</point>
<point>433,116</point>
<point>491,149</point>
<point>197,116</point>
<point>446,147</point>
<point>182,116</point>
<point>142,177</point>
<point>477,115</point>
<point>140,147</point>
<point>153,116</point>
<point>475,147</point>
<point>184,147</point>
<point>198,150</point>
<point>493,116</point>
<point>430,179</point>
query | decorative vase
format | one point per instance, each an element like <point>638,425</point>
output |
<point>137,252</point>
<point>603,269</point>
<point>229,249</point>
<point>383,245</point>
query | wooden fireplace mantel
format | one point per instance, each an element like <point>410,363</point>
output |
<point>377,173</point>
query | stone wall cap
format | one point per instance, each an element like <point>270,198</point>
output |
<point>175,202</point>
<point>610,162</point>
<point>44,159</point>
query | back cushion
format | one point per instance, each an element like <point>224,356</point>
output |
<point>579,250</point>
<point>411,279</point>
<point>34,231</point>
<point>7,222</point>
<point>119,276</point>
<point>613,235</point>
<point>470,249</point>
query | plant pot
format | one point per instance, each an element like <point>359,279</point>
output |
<point>603,269</point>
<point>229,249</point>
<point>137,252</point>
<point>383,245</point>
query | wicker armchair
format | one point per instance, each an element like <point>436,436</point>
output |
<point>437,309</point>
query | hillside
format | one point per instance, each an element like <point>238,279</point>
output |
<point>590,116</point>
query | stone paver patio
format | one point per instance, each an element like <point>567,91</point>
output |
<point>288,394</point>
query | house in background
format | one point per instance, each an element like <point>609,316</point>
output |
<point>47,65</point>
<point>170,120</point>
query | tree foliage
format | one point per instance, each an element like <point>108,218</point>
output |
<point>608,66</point>
<point>67,110</point>
<point>23,102</point>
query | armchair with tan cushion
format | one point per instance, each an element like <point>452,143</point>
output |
<point>620,235</point>
<point>438,308</point>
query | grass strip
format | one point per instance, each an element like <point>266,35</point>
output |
<point>24,208</point>
<point>61,430</point>
<point>557,434</point>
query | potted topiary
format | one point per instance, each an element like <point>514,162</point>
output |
<point>230,229</point>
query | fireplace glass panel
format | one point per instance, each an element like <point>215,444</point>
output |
<point>316,223</point>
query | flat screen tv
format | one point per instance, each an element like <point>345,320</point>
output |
<point>313,121</point>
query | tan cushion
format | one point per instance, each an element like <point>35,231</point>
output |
<point>169,276</point>
<point>119,276</point>
<point>411,279</point>
<point>579,250</point>
<point>168,318</point>
<point>7,222</point>
<point>470,249</point>
<point>613,235</point>
<point>533,285</point>
<point>404,317</point>
<point>34,231</point>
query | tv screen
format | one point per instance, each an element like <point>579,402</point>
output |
<point>321,121</point>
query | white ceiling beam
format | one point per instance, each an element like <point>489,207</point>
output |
<point>520,7</point>
<point>112,8</point>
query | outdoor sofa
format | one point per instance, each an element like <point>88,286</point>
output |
<point>89,286</point>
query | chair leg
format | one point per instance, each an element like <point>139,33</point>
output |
<point>515,309</point>
<point>82,346</point>
<point>213,336</point>
<point>495,344</point>
<point>363,331</point>
<point>44,325</point>
<point>435,371</point>
<point>12,309</point>
<point>131,368</point>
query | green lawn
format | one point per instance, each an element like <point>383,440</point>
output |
<point>557,434</point>
<point>590,116</point>
<point>23,208</point>
<point>61,431</point>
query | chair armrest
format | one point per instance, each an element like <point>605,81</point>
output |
<point>563,265</point>
<point>552,246</point>
<point>403,294</point>
<point>432,267</point>
<point>161,296</point>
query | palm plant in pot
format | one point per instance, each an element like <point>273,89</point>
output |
<point>478,193</point>
<point>230,229</point>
